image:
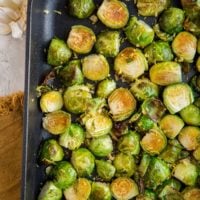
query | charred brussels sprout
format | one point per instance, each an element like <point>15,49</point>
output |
<point>56,122</point>
<point>195,82</point>
<point>121,103</point>
<point>124,188</point>
<point>184,46</point>
<point>108,43</point>
<point>81,39</point>
<point>130,63</point>
<point>144,164</point>
<point>191,193</point>
<point>139,33</point>
<point>113,13</point>
<point>81,8</point>
<point>95,67</point>
<point>177,96</point>
<point>58,52</point>
<point>83,161</point>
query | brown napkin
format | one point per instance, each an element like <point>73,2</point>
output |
<point>11,146</point>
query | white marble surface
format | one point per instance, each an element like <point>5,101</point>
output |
<point>12,64</point>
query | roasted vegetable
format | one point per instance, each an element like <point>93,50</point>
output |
<point>144,164</point>
<point>196,153</point>
<point>147,195</point>
<point>198,64</point>
<point>195,83</point>
<point>191,193</point>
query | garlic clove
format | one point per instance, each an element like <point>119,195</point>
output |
<point>17,32</point>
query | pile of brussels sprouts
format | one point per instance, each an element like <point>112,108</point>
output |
<point>123,124</point>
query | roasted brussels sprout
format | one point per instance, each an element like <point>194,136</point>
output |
<point>56,122</point>
<point>191,193</point>
<point>171,20</point>
<point>113,13</point>
<point>184,46</point>
<point>58,52</point>
<point>144,123</point>
<point>81,39</point>
<point>195,83</point>
<point>198,64</point>
<point>50,192</point>
<point>121,103</point>
<point>130,63</point>
<point>51,101</point>
<point>124,188</point>
<point>101,146</point>
<point>81,8</point>
<point>76,98</point>
<point>73,137</point>
<point>196,153</point>
<point>147,195</point>
<point>177,96</point>
<point>144,164</point>
<point>186,172</point>
<point>139,33</point>
<point>95,67</point>
<point>108,43</point>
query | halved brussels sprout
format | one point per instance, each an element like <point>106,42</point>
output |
<point>130,63</point>
<point>191,193</point>
<point>124,188</point>
<point>113,13</point>
<point>56,122</point>
<point>144,123</point>
<point>51,101</point>
<point>171,125</point>
<point>129,143</point>
<point>144,164</point>
<point>73,137</point>
<point>189,137</point>
<point>177,96</point>
<point>80,190</point>
<point>50,192</point>
<point>147,195</point>
<point>143,89</point>
<point>58,52</point>
<point>83,161</point>
<point>184,46</point>
<point>166,73</point>
<point>101,146</point>
<point>196,153</point>
<point>124,165</point>
<point>95,67</point>
<point>76,98</point>
<point>171,20</point>
<point>121,103</point>
<point>81,8</point>
<point>154,142</point>
<point>198,64</point>
<point>139,33</point>
<point>108,43</point>
<point>195,82</point>
<point>186,172</point>
<point>81,39</point>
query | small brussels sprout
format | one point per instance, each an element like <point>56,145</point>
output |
<point>171,125</point>
<point>191,193</point>
<point>76,98</point>
<point>81,39</point>
<point>81,8</point>
<point>196,153</point>
<point>186,172</point>
<point>124,188</point>
<point>129,143</point>
<point>158,51</point>
<point>195,82</point>
<point>144,123</point>
<point>105,170</point>
<point>100,191</point>
<point>143,89</point>
<point>177,96</point>
<point>108,43</point>
<point>139,33</point>
<point>58,52</point>
<point>189,137</point>
<point>51,152</point>
<point>184,46</point>
<point>83,161</point>
<point>113,13</point>
<point>51,101</point>
<point>144,164</point>
<point>56,122</point>
<point>50,192</point>
<point>105,88</point>
<point>121,103</point>
<point>198,64</point>
<point>63,174</point>
<point>101,146</point>
<point>154,141</point>
<point>73,137</point>
<point>171,20</point>
<point>130,63</point>
<point>80,190</point>
<point>95,67</point>
<point>124,165</point>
